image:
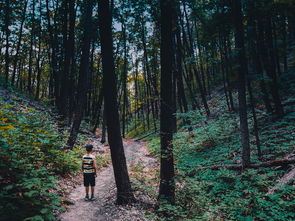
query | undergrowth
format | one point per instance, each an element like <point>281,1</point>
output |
<point>32,160</point>
<point>226,194</point>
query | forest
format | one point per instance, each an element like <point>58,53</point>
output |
<point>189,104</point>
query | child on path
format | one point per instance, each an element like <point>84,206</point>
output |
<point>89,171</point>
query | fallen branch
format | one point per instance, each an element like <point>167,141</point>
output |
<point>285,180</point>
<point>272,163</point>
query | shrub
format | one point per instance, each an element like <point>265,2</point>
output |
<point>31,158</point>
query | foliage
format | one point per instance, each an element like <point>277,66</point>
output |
<point>102,161</point>
<point>31,158</point>
<point>225,194</point>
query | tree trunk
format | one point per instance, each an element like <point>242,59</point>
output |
<point>124,192</point>
<point>103,127</point>
<point>253,67</point>
<point>242,73</point>
<point>228,69</point>
<point>272,69</point>
<point>83,73</point>
<point>98,110</point>
<point>19,43</point>
<point>53,42</point>
<point>69,46</point>
<point>31,49</point>
<point>7,34</point>
<point>167,183</point>
<point>179,61</point>
<point>39,66</point>
<point>124,79</point>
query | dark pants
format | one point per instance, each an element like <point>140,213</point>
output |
<point>89,179</point>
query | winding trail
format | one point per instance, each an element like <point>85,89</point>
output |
<point>103,207</point>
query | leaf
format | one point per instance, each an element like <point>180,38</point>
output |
<point>9,187</point>
<point>44,211</point>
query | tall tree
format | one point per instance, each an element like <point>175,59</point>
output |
<point>16,56</point>
<point>242,71</point>
<point>32,40</point>
<point>124,192</point>
<point>168,22</point>
<point>53,53</point>
<point>83,72</point>
<point>7,34</point>
<point>69,46</point>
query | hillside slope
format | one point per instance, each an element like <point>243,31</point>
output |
<point>31,160</point>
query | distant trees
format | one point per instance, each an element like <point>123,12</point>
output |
<point>233,46</point>
<point>83,82</point>
<point>69,56</point>
<point>7,22</point>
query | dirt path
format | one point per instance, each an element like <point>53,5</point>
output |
<point>103,207</point>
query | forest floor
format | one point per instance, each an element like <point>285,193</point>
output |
<point>103,207</point>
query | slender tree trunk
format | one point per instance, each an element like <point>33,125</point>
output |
<point>39,69</point>
<point>190,46</point>
<point>256,129</point>
<point>272,70</point>
<point>31,49</point>
<point>124,80</point>
<point>103,128</point>
<point>276,51</point>
<point>266,54</point>
<point>83,73</point>
<point>124,192</point>
<point>69,45</point>
<point>202,93</point>
<point>242,73</point>
<point>7,34</point>
<point>253,68</point>
<point>284,35</point>
<point>224,82</point>
<point>167,183</point>
<point>228,69</point>
<point>53,43</point>
<point>16,56</point>
<point>98,111</point>
<point>179,61</point>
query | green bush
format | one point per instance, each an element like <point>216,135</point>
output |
<point>31,157</point>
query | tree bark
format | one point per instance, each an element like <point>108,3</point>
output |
<point>53,60</point>
<point>124,79</point>
<point>242,71</point>
<point>39,66</point>
<point>83,73</point>
<point>98,110</point>
<point>124,192</point>
<point>31,49</point>
<point>168,21</point>
<point>19,43</point>
<point>7,34</point>
<point>69,47</point>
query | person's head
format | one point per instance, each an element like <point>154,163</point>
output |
<point>89,148</point>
